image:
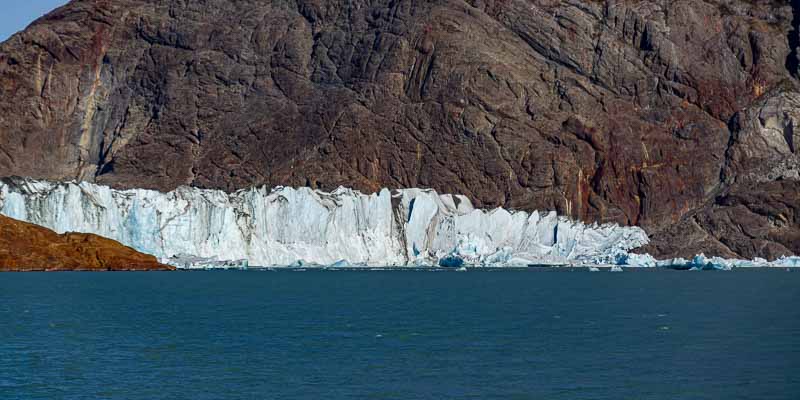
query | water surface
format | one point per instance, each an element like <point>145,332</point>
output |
<point>552,334</point>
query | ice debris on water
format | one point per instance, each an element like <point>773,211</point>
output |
<point>701,262</point>
<point>183,261</point>
<point>793,261</point>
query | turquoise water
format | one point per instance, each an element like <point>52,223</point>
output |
<point>524,334</point>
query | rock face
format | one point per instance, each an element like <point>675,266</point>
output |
<point>28,247</point>
<point>679,116</point>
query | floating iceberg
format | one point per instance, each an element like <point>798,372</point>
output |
<point>288,226</point>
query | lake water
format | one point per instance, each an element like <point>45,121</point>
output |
<point>521,334</point>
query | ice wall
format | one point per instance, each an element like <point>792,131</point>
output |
<point>287,225</point>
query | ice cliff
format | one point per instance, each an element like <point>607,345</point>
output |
<point>286,226</point>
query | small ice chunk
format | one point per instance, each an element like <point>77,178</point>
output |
<point>636,260</point>
<point>341,264</point>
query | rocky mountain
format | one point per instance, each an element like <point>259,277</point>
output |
<point>28,247</point>
<point>680,116</point>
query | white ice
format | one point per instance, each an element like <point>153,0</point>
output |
<point>286,226</point>
<point>304,227</point>
<point>701,262</point>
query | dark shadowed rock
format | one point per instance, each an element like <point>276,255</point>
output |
<point>679,116</point>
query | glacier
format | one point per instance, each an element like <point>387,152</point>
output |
<point>285,226</point>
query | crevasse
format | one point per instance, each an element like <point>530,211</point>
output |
<point>284,226</point>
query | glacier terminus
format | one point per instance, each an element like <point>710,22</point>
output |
<point>287,226</point>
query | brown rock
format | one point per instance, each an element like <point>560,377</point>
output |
<point>28,247</point>
<point>756,211</point>
<point>626,111</point>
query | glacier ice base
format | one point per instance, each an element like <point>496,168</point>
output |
<point>284,226</point>
<point>701,262</point>
<point>299,226</point>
